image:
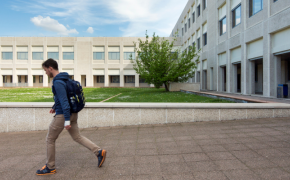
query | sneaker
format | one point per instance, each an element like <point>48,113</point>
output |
<point>101,157</point>
<point>45,171</point>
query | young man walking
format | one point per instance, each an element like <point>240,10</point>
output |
<point>63,119</point>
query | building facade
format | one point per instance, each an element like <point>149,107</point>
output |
<point>244,44</point>
<point>93,61</point>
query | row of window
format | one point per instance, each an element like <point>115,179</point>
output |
<point>255,6</point>
<point>99,79</point>
<point>66,55</point>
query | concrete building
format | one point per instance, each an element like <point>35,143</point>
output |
<point>245,44</point>
<point>93,61</point>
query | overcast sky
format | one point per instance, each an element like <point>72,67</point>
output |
<point>89,18</point>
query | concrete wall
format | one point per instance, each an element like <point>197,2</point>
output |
<point>274,17</point>
<point>35,116</point>
<point>185,86</point>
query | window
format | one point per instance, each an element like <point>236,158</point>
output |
<point>129,79</point>
<point>193,17</point>
<point>256,72</point>
<point>193,44</point>
<point>53,55</point>
<point>7,56</point>
<point>99,56</point>
<point>204,4</point>
<point>185,27</point>
<point>19,79</point>
<point>188,23</point>
<point>34,79</point>
<point>255,6</point>
<point>26,79</point>
<point>223,26</point>
<point>71,77</point>
<point>40,79</point>
<point>141,80</point>
<point>114,56</point>
<point>236,13</point>
<point>198,43</point>
<point>4,79</point>
<point>115,79</point>
<point>128,54</point>
<point>182,32</point>
<point>37,55</point>
<point>22,55</point>
<point>100,79</point>
<point>68,55</point>
<point>198,10</point>
<point>204,39</point>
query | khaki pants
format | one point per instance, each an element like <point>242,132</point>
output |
<point>56,127</point>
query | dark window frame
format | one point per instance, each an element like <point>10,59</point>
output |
<point>188,23</point>
<point>198,43</point>
<point>182,32</point>
<point>185,27</point>
<point>131,76</point>
<point>204,4</point>
<point>100,79</point>
<point>234,15</point>
<point>205,39</point>
<point>19,78</point>
<point>251,13</point>
<point>40,79</point>
<point>111,79</point>
<point>198,10</point>
<point>193,17</point>
<point>221,25</point>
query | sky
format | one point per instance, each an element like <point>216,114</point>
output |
<point>88,18</point>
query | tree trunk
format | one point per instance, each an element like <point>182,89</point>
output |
<point>166,87</point>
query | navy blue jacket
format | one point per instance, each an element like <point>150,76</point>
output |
<point>61,105</point>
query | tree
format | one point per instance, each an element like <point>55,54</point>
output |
<point>159,64</point>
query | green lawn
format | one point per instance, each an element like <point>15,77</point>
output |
<point>99,94</point>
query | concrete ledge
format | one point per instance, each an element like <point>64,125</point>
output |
<point>35,116</point>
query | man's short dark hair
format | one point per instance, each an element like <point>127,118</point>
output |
<point>50,63</point>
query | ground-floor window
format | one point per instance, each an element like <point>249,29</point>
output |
<point>100,79</point>
<point>141,80</point>
<point>115,79</point>
<point>129,79</point>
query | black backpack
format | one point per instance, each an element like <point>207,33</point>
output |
<point>75,95</point>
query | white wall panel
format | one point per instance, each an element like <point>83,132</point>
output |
<point>197,2</point>
<point>52,49</point>
<point>222,59</point>
<point>193,8</point>
<point>37,48</point>
<point>255,49</point>
<point>198,34</point>
<point>114,72</point>
<point>128,72</point>
<point>98,72</point>
<point>198,66</point>
<point>6,71</point>
<point>222,11</point>
<point>281,41</point>
<point>69,71</point>
<point>67,49</point>
<point>37,71</point>
<point>114,49</point>
<point>193,37</point>
<point>22,49</point>
<point>21,71</point>
<point>129,49</point>
<point>236,55</point>
<point>6,48</point>
<point>98,49</point>
<point>204,65</point>
<point>234,3</point>
<point>204,28</point>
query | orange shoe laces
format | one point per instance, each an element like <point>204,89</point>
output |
<point>43,167</point>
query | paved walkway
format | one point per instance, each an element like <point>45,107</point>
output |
<point>244,149</point>
<point>255,98</point>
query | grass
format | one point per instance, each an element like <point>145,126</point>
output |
<point>100,94</point>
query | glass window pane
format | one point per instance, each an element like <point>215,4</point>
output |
<point>127,55</point>
<point>68,55</point>
<point>22,55</point>
<point>238,15</point>
<point>114,56</point>
<point>53,55</point>
<point>223,26</point>
<point>37,55</point>
<point>99,55</point>
<point>7,55</point>
<point>257,5</point>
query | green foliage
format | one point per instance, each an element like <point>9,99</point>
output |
<point>159,64</point>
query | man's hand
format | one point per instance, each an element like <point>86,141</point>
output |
<point>52,111</point>
<point>67,127</point>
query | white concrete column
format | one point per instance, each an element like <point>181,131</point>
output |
<point>106,76</point>
<point>45,80</point>
<point>30,78</point>
<point>15,77</point>
<point>121,77</point>
<point>1,79</point>
<point>136,80</point>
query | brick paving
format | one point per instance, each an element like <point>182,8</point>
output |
<point>243,149</point>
